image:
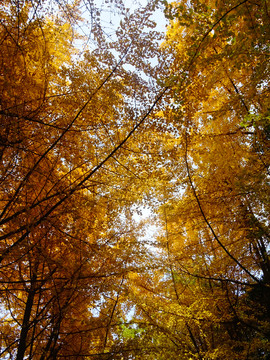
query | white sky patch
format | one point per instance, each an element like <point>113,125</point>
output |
<point>152,227</point>
<point>110,16</point>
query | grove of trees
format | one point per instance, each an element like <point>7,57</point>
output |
<point>102,117</point>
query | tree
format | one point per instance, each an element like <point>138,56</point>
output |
<point>68,238</point>
<point>210,298</point>
<point>90,131</point>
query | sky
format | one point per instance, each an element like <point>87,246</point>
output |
<point>110,18</point>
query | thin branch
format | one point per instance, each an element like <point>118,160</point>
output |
<point>206,220</point>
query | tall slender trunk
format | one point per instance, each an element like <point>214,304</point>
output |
<point>26,318</point>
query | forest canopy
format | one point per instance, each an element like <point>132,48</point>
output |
<point>103,117</point>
